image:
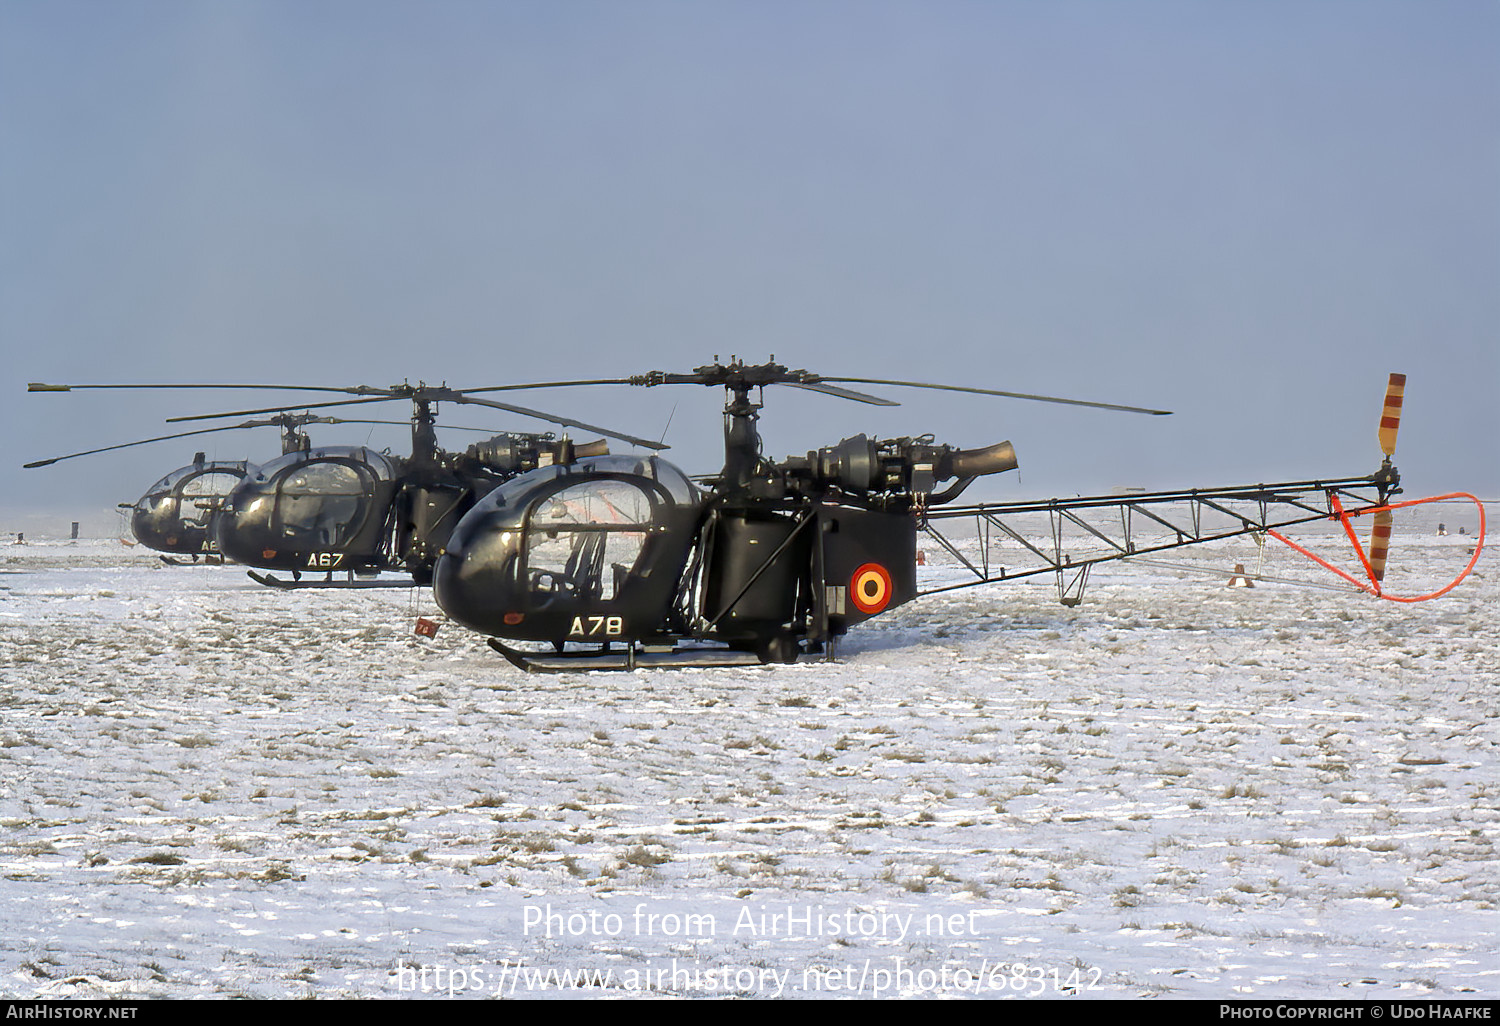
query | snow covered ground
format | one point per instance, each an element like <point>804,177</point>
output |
<point>1175,789</point>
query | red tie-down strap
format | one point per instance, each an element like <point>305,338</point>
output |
<point>1373,587</point>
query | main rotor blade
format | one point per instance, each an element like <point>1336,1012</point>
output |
<point>842,393</point>
<point>644,443</point>
<point>403,423</point>
<point>447,397</point>
<point>287,409</point>
<point>37,386</point>
<point>1007,395</point>
<point>660,378</point>
<point>820,383</point>
<point>143,441</point>
<point>548,384</point>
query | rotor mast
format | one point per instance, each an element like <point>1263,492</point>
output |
<point>741,431</point>
<point>424,445</point>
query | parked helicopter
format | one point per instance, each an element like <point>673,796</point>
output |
<point>175,516</point>
<point>347,508</point>
<point>627,556</point>
<point>622,561</point>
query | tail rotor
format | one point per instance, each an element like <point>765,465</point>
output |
<point>1390,423</point>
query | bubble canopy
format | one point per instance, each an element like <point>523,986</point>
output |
<point>312,501</point>
<point>585,542</point>
<point>177,513</point>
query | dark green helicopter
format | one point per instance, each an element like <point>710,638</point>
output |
<point>624,561</point>
<point>176,515</point>
<point>351,509</point>
<point>627,557</point>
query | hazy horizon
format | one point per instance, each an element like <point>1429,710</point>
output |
<point>1248,214</point>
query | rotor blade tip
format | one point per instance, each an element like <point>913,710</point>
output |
<point>37,386</point>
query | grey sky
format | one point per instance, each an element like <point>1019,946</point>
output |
<point>1248,213</point>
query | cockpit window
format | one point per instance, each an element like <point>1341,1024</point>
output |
<point>193,493</point>
<point>321,503</point>
<point>204,494</point>
<point>211,484</point>
<point>375,463</point>
<point>323,479</point>
<point>669,477</point>
<point>595,502</point>
<point>584,540</point>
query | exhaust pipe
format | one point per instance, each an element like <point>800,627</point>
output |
<point>992,459</point>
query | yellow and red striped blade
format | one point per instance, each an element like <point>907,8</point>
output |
<point>1380,543</point>
<point>1390,417</point>
<point>1390,423</point>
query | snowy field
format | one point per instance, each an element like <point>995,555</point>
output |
<point>1176,789</point>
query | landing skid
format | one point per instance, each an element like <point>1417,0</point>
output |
<point>285,585</point>
<point>623,659</point>
<point>205,561</point>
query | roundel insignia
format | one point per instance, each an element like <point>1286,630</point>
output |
<point>870,588</point>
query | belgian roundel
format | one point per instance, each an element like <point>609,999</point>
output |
<point>870,588</point>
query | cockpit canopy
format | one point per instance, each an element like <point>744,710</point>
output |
<point>569,541</point>
<point>316,500</point>
<point>177,512</point>
<point>658,474</point>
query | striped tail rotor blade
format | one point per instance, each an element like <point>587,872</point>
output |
<point>1390,417</point>
<point>1390,423</point>
<point>1380,543</point>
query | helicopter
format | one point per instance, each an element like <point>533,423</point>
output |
<point>176,515</point>
<point>624,561</point>
<point>340,508</point>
